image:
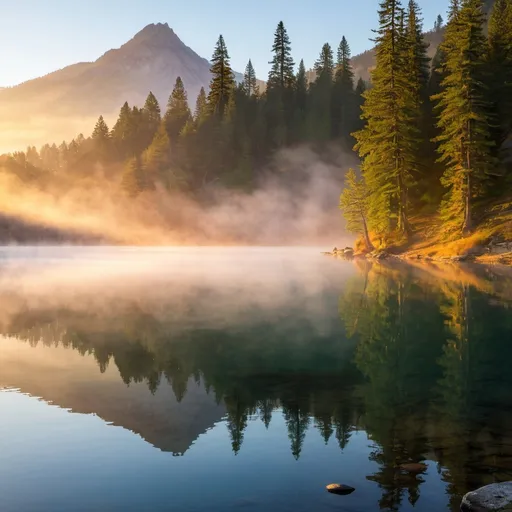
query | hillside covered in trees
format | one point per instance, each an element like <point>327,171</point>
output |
<point>431,134</point>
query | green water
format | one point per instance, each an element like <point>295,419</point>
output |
<point>249,379</point>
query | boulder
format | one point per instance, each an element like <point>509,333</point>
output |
<point>494,497</point>
<point>340,489</point>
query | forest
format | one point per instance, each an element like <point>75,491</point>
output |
<point>432,135</point>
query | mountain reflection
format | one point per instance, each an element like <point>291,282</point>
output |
<point>418,357</point>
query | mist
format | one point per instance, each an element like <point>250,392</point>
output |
<point>295,203</point>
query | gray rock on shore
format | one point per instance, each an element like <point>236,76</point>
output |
<point>491,498</point>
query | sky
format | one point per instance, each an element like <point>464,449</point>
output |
<point>41,36</point>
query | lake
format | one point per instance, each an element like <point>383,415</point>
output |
<point>247,379</point>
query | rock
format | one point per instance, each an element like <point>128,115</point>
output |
<point>340,489</point>
<point>494,497</point>
<point>414,467</point>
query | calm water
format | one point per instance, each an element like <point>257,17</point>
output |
<point>248,379</point>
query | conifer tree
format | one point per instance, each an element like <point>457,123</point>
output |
<point>156,157</point>
<point>321,92</point>
<point>201,110</point>
<point>152,117</point>
<point>124,132</point>
<point>388,143</point>
<point>223,79</point>
<point>500,65</point>
<point>354,203</point>
<point>300,104</point>
<point>464,142</point>
<point>101,138</point>
<point>344,108</point>
<point>301,86</point>
<point>281,74</point>
<point>133,180</point>
<point>178,112</point>
<point>250,85</point>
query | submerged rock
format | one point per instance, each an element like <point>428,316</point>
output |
<point>340,489</point>
<point>494,497</point>
<point>414,467</point>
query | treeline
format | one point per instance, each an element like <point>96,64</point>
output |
<point>435,133</point>
<point>230,134</point>
<point>432,135</point>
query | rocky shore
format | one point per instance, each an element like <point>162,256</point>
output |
<point>495,252</point>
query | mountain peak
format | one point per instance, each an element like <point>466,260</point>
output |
<point>156,33</point>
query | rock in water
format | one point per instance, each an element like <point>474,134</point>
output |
<point>414,467</point>
<point>494,497</point>
<point>340,489</point>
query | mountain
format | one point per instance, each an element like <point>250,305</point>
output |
<point>66,102</point>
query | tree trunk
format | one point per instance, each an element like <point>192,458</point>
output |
<point>367,240</point>
<point>468,218</point>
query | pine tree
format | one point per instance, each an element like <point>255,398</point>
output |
<point>101,139</point>
<point>388,143</point>
<point>454,9</point>
<point>124,132</point>
<point>201,110</point>
<point>250,85</point>
<point>344,108</point>
<point>178,112</point>
<point>152,117</point>
<point>464,142</point>
<point>101,131</point>
<point>300,104</point>
<point>281,74</point>
<point>500,65</point>
<point>133,180</point>
<point>156,157</point>
<point>319,119</point>
<point>417,60</point>
<point>223,79</point>
<point>354,203</point>
<point>438,25</point>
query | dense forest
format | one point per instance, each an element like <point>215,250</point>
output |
<point>432,135</point>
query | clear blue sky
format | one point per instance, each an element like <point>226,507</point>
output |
<point>40,36</point>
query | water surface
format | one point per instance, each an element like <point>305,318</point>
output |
<point>247,379</point>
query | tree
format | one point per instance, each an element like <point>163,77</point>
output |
<point>250,85</point>
<point>133,180</point>
<point>124,131</point>
<point>438,24</point>
<point>152,117</point>
<point>354,202</point>
<point>388,143</point>
<point>156,156</point>
<point>101,138</point>
<point>223,79</point>
<point>454,9</point>
<point>201,110</point>
<point>321,92</point>
<point>300,96</point>
<point>178,112</point>
<point>500,65</point>
<point>464,141</point>
<point>281,74</point>
<point>344,108</point>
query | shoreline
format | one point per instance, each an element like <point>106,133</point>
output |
<point>487,257</point>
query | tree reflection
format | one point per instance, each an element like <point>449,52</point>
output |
<point>419,360</point>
